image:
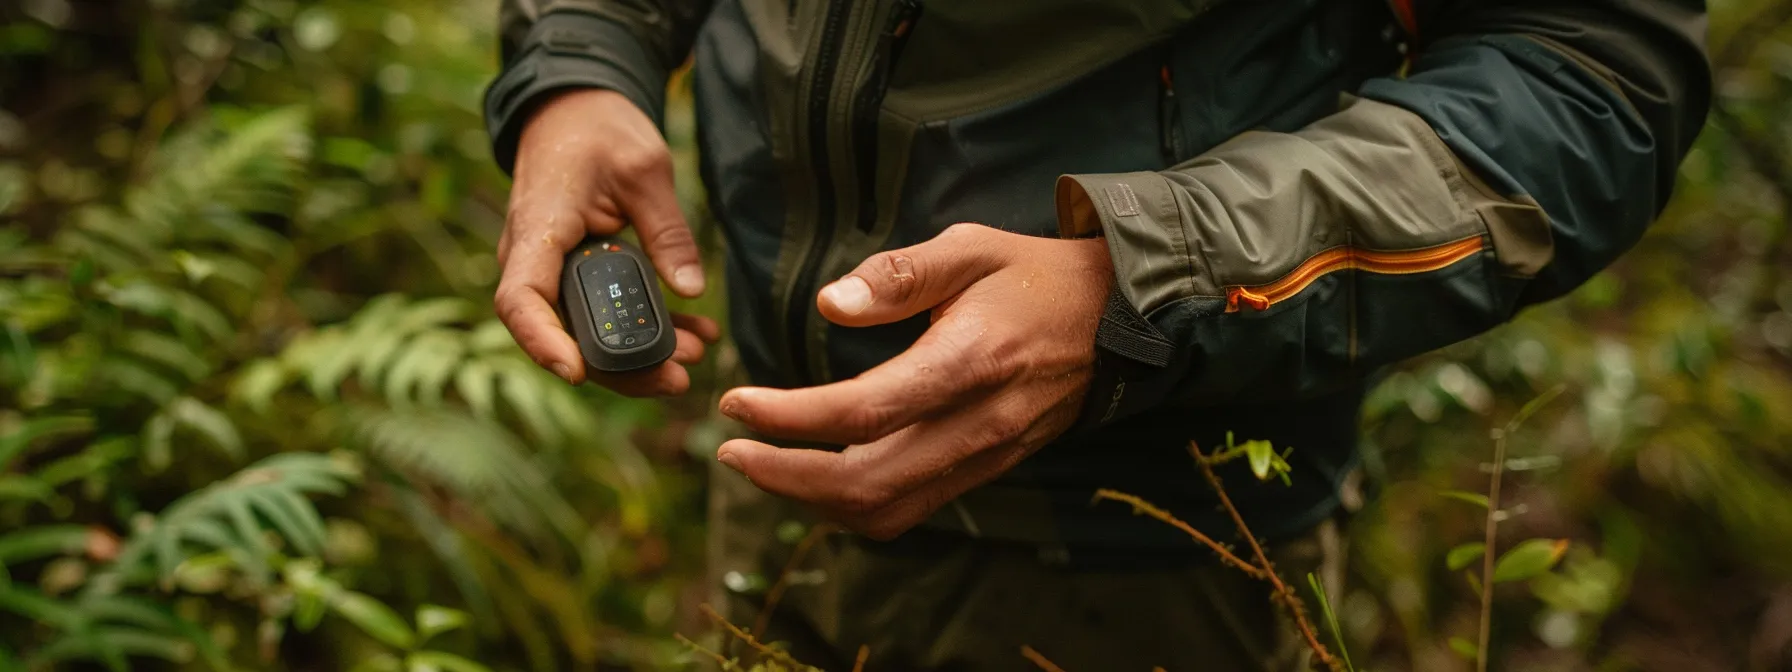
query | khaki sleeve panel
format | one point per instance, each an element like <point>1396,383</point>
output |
<point>1373,177</point>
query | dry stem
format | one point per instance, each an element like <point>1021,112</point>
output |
<point>721,660</point>
<point>1142,507</point>
<point>783,583</point>
<point>864,653</point>
<point>1039,659</point>
<point>1492,525</point>
<point>747,637</point>
<point>1284,596</point>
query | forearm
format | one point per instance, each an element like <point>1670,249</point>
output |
<point>553,45</point>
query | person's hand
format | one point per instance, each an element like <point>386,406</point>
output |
<point>589,161</point>
<point>1001,371</point>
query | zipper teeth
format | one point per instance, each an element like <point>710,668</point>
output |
<point>820,93</point>
<point>1403,262</point>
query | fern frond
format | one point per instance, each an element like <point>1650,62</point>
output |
<point>227,515</point>
<point>481,462</point>
<point>195,415</point>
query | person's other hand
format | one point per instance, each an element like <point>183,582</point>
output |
<point>1001,371</point>
<point>589,161</point>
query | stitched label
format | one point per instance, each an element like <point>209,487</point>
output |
<point>1122,201</point>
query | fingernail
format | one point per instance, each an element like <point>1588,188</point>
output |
<point>729,460</point>
<point>733,408</point>
<point>689,279</point>
<point>563,371</point>
<point>850,296</point>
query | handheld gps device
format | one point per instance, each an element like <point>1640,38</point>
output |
<point>610,302</point>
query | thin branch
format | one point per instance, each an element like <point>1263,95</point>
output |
<point>1039,659</point>
<point>724,662</point>
<point>773,596</point>
<point>1286,597</point>
<point>1491,526</point>
<point>858,665</point>
<point>1144,508</point>
<point>751,641</point>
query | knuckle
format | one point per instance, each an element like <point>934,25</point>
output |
<point>966,228</point>
<point>884,528</point>
<point>637,162</point>
<point>1002,427</point>
<point>677,237</point>
<point>867,421</point>
<point>894,273</point>
<point>865,501</point>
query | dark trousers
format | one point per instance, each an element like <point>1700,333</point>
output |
<point>948,602</point>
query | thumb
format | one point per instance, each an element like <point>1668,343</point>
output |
<point>897,284</point>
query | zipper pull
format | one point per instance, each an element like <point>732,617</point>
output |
<point>1238,296</point>
<point>1169,116</point>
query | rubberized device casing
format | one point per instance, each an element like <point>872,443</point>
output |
<point>611,304</point>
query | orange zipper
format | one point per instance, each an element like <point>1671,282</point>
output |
<point>1261,297</point>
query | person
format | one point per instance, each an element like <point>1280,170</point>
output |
<point>984,258</point>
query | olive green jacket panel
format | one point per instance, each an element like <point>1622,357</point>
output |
<point>1531,144</point>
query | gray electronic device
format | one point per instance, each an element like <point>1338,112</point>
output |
<point>611,304</point>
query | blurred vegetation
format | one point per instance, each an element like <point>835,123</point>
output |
<point>255,412</point>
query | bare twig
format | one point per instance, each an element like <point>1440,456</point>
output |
<point>1493,518</point>
<point>773,596</point>
<point>858,665</point>
<point>1142,507</point>
<point>750,640</point>
<point>1492,525</point>
<point>1284,596</point>
<point>1039,659</point>
<point>721,660</point>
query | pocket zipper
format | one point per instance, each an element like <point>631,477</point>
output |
<point>1403,262</point>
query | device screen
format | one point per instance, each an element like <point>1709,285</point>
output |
<point>623,314</point>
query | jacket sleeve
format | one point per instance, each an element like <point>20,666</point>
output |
<point>1529,146</point>
<point>628,46</point>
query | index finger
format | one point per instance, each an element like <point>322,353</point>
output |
<point>937,371</point>
<point>525,303</point>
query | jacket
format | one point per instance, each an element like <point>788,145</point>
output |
<point>1294,193</point>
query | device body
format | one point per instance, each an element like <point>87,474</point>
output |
<point>611,304</point>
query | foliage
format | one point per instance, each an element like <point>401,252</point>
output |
<point>254,411</point>
<point>255,404</point>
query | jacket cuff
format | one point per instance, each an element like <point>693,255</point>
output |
<point>568,49</point>
<point>1133,359</point>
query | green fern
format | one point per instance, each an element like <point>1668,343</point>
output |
<point>109,629</point>
<point>228,516</point>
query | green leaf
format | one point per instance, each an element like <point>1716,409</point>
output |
<point>1528,559</point>
<point>476,382</point>
<point>438,661</point>
<point>1260,454</point>
<point>1331,619</point>
<point>257,384</point>
<point>167,351</point>
<point>374,618</point>
<point>17,487</point>
<point>1464,648</point>
<point>225,515</point>
<point>15,442</point>
<point>1474,498</point>
<point>33,543</point>
<point>433,620</point>
<point>1462,556</point>
<point>210,423</point>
